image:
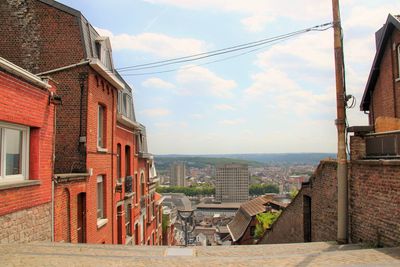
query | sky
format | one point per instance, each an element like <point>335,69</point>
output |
<point>278,99</point>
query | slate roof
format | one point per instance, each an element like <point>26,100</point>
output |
<point>88,33</point>
<point>392,22</point>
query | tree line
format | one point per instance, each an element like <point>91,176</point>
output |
<point>254,190</point>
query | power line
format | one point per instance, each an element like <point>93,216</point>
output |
<point>231,49</point>
<point>206,63</point>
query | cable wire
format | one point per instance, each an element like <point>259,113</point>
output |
<point>200,56</point>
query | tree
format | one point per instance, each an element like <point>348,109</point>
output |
<point>265,220</point>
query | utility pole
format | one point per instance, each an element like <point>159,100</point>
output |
<point>341,126</point>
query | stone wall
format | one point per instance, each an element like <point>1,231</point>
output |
<point>33,224</point>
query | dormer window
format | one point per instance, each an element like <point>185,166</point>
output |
<point>103,51</point>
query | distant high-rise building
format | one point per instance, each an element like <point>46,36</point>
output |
<point>178,173</point>
<point>232,183</point>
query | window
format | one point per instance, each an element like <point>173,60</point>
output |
<point>128,217</point>
<point>398,60</point>
<point>100,197</point>
<point>100,127</point>
<point>119,161</point>
<point>14,152</point>
<point>127,160</point>
<point>142,184</point>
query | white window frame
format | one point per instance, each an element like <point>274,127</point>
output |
<point>100,179</point>
<point>101,144</point>
<point>24,153</point>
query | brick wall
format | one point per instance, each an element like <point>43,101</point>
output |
<point>25,211</point>
<point>25,104</point>
<point>322,189</point>
<point>36,33</point>
<point>374,197</point>
<point>66,209</point>
<point>374,202</point>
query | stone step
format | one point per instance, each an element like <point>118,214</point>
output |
<point>306,254</point>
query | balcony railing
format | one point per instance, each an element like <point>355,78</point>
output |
<point>383,145</point>
<point>128,184</point>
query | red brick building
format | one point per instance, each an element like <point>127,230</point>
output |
<point>26,152</point>
<point>101,166</point>
<point>381,97</point>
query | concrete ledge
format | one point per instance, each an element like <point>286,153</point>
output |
<point>70,177</point>
<point>101,223</point>
<point>17,184</point>
<point>377,162</point>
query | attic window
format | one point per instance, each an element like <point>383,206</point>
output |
<point>101,50</point>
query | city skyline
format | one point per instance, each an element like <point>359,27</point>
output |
<point>277,100</point>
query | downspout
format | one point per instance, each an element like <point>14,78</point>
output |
<point>52,174</point>
<point>112,166</point>
<point>394,78</point>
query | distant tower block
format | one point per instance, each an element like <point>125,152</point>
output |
<point>178,174</point>
<point>232,183</point>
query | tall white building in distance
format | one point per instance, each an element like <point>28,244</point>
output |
<point>178,174</point>
<point>232,183</point>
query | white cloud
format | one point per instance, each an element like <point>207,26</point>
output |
<point>224,107</point>
<point>197,80</point>
<point>157,83</point>
<point>157,44</point>
<point>257,13</point>
<point>232,122</point>
<point>156,112</point>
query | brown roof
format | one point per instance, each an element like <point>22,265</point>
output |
<point>239,224</point>
<point>243,216</point>
<point>256,205</point>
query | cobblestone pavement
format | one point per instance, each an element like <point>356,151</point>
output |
<point>306,254</point>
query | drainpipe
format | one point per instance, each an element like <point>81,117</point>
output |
<point>55,102</point>
<point>112,167</point>
<point>341,127</point>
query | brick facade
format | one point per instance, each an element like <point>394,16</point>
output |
<point>45,36</point>
<point>26,202</point>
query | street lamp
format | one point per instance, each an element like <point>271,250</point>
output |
<point>186,215</point>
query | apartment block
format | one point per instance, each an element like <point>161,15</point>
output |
<point>232,183</point>
<point>178,174</point>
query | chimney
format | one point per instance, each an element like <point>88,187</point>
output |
<point>378,36</point>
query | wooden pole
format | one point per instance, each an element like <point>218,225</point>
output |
<point>341,127</point>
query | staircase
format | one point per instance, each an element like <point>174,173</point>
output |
<point>301,254</point>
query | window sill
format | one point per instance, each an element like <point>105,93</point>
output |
<point>129,195</point>
<point>102,150</point>
<point>101,223</point>
<point>397,80</point>
<point>17,184</point>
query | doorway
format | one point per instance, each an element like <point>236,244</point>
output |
<point>307,218</point>
<point>81,218</point>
